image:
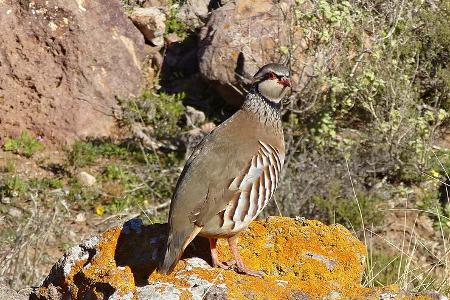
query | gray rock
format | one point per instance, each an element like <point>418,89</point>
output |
<point>159,291</point>
<point>194,117</point>
<point>193,13</point>
<point>86,179</point>
<point>117,296</point>
<point>80,218</point>
<point>151,22</point>
<point>5,200</point>
<point>15,212</point>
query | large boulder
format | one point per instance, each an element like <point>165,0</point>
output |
<point>300,259</point>
<point>243,35</point>
<point>62,65</point>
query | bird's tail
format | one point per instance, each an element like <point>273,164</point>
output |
<point>176,243</point>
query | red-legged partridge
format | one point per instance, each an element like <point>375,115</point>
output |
<point>232,174</point>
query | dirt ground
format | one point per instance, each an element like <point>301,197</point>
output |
<point>37,224</point>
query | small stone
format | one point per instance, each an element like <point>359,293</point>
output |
<point>52,26</point>
<point>72,235</point>
<point>172,38</point>
<point>15,212</point>
<point>6,200</point>
<point>194,117</point>
<point>151,23</point>
<point>208,127</point>
<point>86,179</point>
<point>80,218</point>
<point>158,41</point>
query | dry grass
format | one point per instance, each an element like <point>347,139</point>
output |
<point>419,260</point>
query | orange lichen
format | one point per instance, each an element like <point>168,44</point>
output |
<point>298,253</point>
<point>290,253</point>
<point>298,258</point>
<point>102,268</point>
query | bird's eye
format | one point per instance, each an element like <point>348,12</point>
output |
<point>271,76</point>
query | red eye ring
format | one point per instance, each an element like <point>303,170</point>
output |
<point>271,76</point>
<point>284,82</point>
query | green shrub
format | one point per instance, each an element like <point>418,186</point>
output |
<point>13,186</point>
<point>84,153</point>
<point>379,94</point>
<point>346,211</point>
<point>24,145</point>
<point>161,112</point>
<point>173,24</point>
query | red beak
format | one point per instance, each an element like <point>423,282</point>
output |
<point>285,82</point>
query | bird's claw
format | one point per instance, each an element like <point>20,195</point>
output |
<point>230,263</point>
<point>224,265</point>
<point>247,271</point>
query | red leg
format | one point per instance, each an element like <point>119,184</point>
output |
<point>214,256</point>
<point>241,268</point>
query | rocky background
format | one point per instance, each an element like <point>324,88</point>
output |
<point>102,101</point>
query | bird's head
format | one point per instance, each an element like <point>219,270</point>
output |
<point>272,82</point>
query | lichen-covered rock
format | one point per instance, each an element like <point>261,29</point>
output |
<point>62,65</point>
<point>300,259</point>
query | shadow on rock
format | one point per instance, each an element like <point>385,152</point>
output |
<point>142,247</point>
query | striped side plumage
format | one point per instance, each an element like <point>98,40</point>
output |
<point>254,188</point>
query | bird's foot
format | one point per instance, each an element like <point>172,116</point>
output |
<point>241,269</point>
<point>219,264</point>
<point>230,263</point>
<point>247,271</point>
<point>226,265</point>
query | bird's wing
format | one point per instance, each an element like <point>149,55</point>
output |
<point>211,175</point>
<point>262,168</point>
